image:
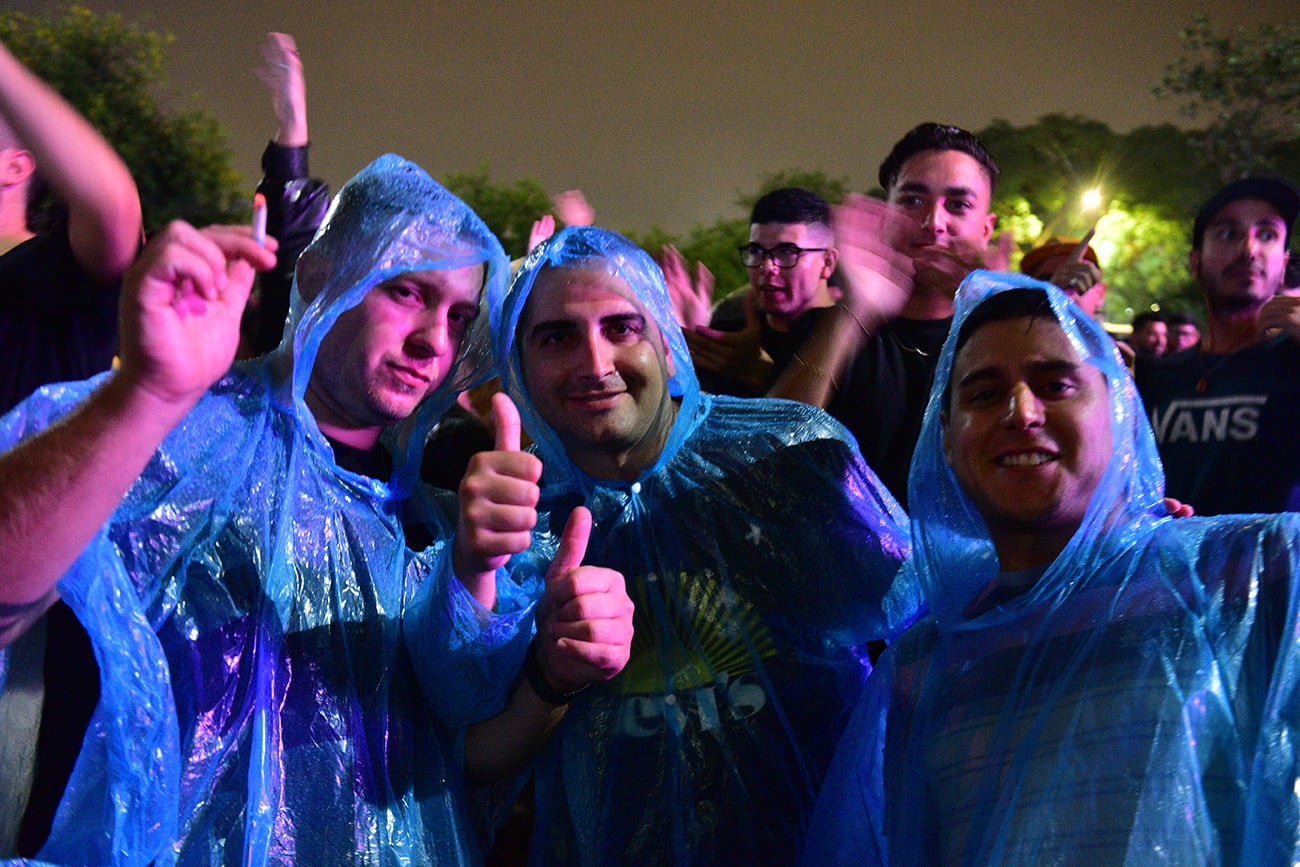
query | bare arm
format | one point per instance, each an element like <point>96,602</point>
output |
<point>181,304</point>
<point>81,167</point>
<point>584,637</point>
<point>878,281</point>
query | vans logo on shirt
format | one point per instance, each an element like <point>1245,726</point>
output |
<point>1209,419</point>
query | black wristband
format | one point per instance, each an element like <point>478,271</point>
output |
<point>536,680</point>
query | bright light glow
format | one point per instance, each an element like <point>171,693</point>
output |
<point>1092,199</point>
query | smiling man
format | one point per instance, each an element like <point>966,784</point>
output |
<point>267,586</point>
<point>1096,682</point>
<point>1227,416</point>
<point>759,549</point>
<point>870,360</point>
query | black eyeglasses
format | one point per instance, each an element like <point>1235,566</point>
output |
<point>784,255</point>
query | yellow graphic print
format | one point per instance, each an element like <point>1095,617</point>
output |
<point>690,631</point>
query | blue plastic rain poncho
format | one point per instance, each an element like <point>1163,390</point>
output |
<point>761,554</point>
<point>252,605</point>
<point>1138,705</point>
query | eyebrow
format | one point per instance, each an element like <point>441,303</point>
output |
<point>950,192</point>
<point>551,325</point>
<point>1050,366</point>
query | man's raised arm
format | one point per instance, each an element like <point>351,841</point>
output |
<point>80,166</point>
<point>181,304</point>
<point>878,281</point>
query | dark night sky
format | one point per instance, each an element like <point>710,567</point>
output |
<point>661,112</point>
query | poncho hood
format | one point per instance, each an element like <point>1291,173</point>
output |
<point>589,248</point>
<point>953,554</point>
<point>391,219</point>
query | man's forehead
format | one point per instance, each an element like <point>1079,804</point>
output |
<point>1044,342</point>
<point>555,287</point>
<point>948,170</point>
<point>791,231</point>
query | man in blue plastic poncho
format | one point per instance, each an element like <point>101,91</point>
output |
<point>760,550</point>
<point>264,582</point>
<point>1097,683</point>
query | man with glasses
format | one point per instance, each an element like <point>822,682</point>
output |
<point>750,336</point>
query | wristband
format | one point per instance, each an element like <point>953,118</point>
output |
<point>536,680</point>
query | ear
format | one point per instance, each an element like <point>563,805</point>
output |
<point>990,223</point>
<point>830,259</point>
<point>16,166</point>
<point>668,360</point>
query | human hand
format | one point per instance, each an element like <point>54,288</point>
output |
<point>572,208</point>
<point>1177,508</point>
<point>998,256</point>
<point>584,618</point>
<point>692,301</point>
<point>1076,278</point>
<point>1282,312</point>
<point>735,355</point>
<point>281,72</point>
<point>498,503</point>
<point>878,276</point>
<point>181,304</point>
<point>543,228</point>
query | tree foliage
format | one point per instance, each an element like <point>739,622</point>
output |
<point>1245,88</point>
<point>508,209</point>
<point>107,69</point>
<point>1151,182</point>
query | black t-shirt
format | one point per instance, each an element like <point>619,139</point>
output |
<point>881,400</point>
<point>1234,445</point>
<point>56,323</point>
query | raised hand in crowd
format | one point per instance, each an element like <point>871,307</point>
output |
<point>998,255</point>
<point>692,300</point>
<point>878,276</point>
<point>1282,312</point>
<point>543,228</point>
<point>573,209</point>
<point>180,310</point>
<point>281,72</point>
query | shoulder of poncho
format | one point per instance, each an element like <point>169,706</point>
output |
<point>791,421</point>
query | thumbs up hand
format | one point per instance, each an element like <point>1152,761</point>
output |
<point>498,506</point>
<point>584,619</point>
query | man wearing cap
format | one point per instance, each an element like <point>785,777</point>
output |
<point>1081,280</point>
<point>1227,417</point>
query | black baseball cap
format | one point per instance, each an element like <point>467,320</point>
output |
<point>1278,192</point>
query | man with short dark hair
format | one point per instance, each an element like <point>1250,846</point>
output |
<point>870,360</point>
<point>1150,337</point>
<point>1095,682</point>
<point>1184,333</point>
<point>760,550</point>
<point>749,336</point>
<point>1227,417</point>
